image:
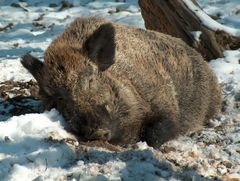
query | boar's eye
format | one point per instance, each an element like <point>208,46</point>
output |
<point>61,68</point>
<point>60,98</point>
<point>103,109</point>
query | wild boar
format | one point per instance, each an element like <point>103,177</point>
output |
<point>122,84</point>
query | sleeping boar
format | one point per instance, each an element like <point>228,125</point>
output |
<point>122,84</point>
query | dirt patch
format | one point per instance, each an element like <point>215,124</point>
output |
<point>17,98</point>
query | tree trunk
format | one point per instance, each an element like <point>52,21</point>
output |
<point>177,19</point>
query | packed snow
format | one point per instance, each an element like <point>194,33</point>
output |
<point>209,22</point>
<point>196,35</point>
<point>38,147</point>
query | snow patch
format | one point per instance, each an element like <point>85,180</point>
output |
<point>209,22</point>
<point>196,35</point>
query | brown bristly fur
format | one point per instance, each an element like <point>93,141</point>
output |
<point>122,84</point>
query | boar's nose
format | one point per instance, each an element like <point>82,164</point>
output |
<point>100,134</point>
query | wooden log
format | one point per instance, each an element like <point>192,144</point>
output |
<point>174,17</point>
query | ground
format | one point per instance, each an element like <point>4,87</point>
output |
<point>35,144</point>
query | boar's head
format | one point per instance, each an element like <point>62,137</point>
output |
<point>71,79</point>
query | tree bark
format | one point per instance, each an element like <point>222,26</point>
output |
<point>173,17</point>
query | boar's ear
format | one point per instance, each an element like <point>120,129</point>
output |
<point>100,46</point>
<point>33,65</point>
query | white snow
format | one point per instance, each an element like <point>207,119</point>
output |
<point>12,69</point>
<point>196,35</point>
<point>209,22</point>
<point>228,69</point>
<point>38,147</point>
<point>226,10</point>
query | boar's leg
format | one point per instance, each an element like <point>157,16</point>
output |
<point>33,65</point>
<point>100,46</point>
<point>164,124</point>
<point>161,129</point>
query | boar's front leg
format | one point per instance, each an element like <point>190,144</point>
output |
<point>161,129</point>
<point>164,124</point>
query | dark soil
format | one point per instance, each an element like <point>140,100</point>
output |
<point>17,98</point>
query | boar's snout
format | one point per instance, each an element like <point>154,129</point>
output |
<point>86,129</point>
<point>100,134</point>
<point>96,134</point>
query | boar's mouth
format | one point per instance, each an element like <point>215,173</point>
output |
<point>99,134</point>
<point>87,132</point>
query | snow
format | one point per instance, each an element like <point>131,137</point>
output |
<point>228,69</point>
<point>227,11</point>
<point>209,22</point>
<point>38,147</point>
<point>196,35</point>
<point>11,69</point>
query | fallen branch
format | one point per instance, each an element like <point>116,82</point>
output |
<point>186,20</point>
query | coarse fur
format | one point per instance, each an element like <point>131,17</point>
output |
<point>122,84</point>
